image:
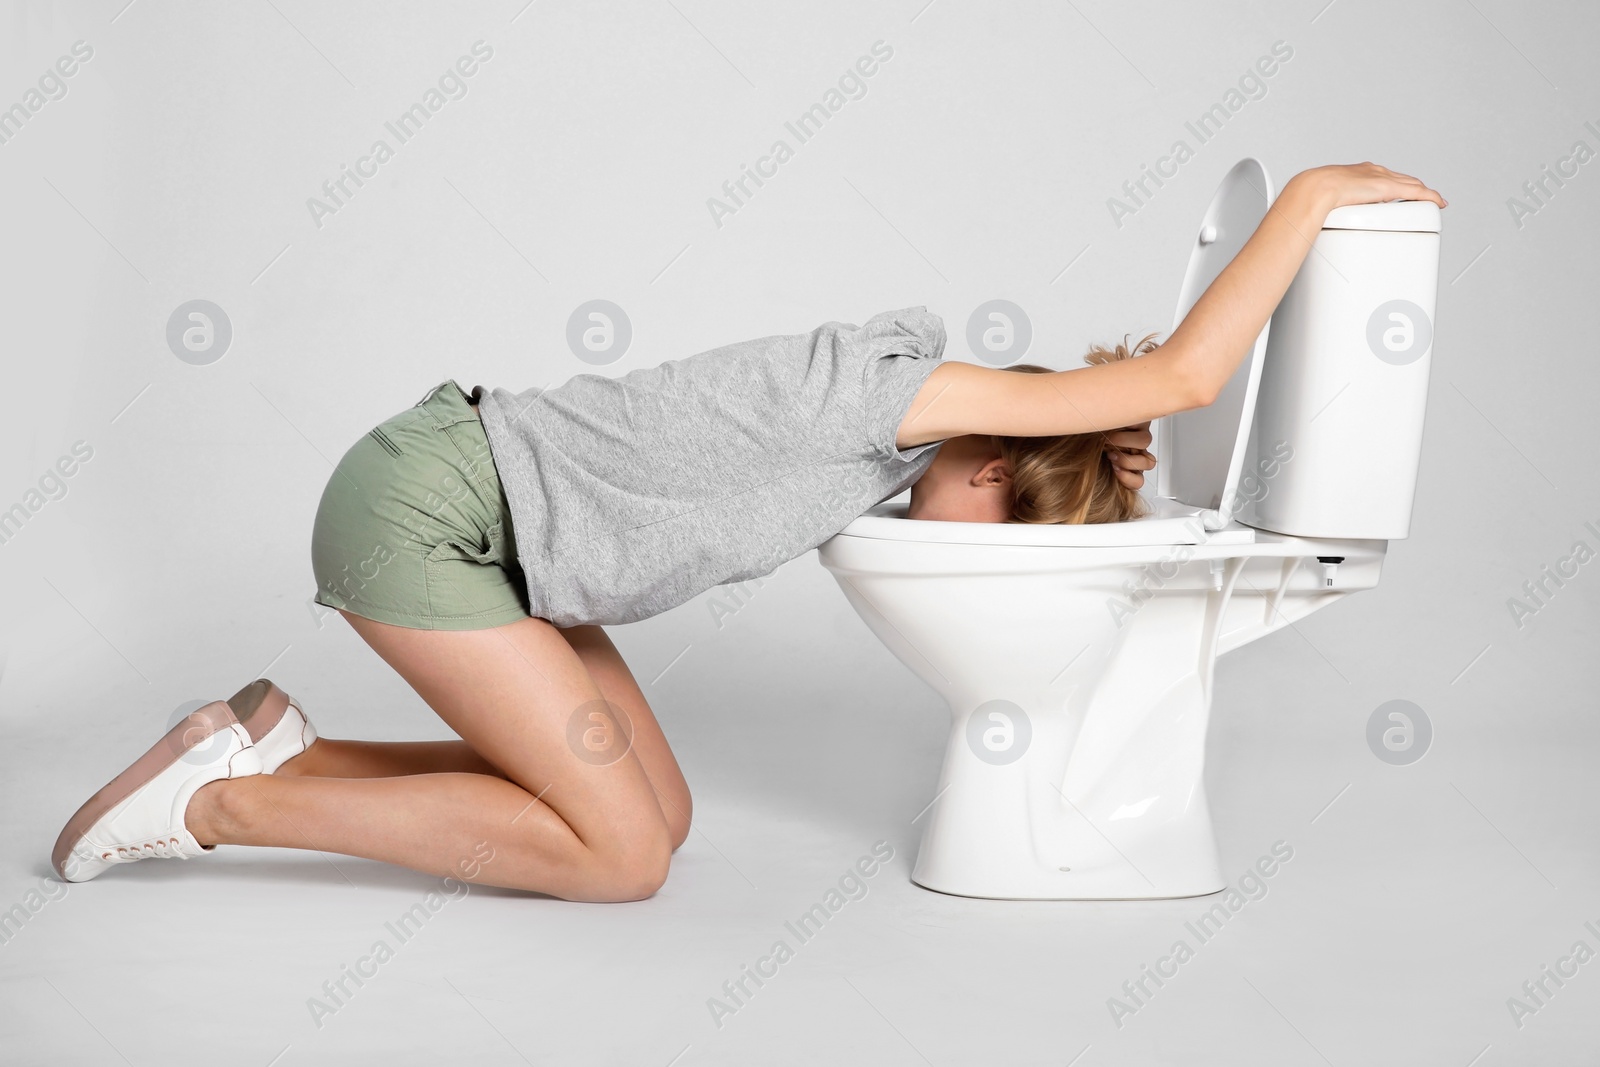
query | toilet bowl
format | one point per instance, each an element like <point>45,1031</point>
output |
<point>1077,660</point>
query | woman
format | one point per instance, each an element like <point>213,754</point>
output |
<point>479,542</point>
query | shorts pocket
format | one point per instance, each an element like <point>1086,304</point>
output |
<point>464,579</point>
<point>377,434</point>
<point>457,548</point>
<point>391,433</point>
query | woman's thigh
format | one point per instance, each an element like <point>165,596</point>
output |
<point>523,698</point>
<point>610,672</point>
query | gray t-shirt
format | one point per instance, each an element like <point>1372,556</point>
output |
<point>632,495</point>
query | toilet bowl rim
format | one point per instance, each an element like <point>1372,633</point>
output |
<point>1169,525</point>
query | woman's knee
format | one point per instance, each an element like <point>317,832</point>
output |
<point>635,868</point>
<point>679,810</point>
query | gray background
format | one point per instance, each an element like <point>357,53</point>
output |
<point>578,165</point>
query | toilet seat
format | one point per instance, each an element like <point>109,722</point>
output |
<point>1169,522</point>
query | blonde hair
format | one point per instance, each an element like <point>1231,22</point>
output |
<point>1069,478</point>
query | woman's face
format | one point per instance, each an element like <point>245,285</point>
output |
<point>967,481</point>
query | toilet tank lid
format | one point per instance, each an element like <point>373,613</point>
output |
<point>1415,216</point>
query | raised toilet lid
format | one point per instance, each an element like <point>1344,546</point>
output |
<point>1202,451</point>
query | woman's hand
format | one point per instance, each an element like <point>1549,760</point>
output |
<point>1126,449</point>
<point>1365,183</point>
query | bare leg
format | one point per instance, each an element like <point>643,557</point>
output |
<point>435,823</point>
<point>606,666</point>
<point>333,758</point>
<point>577,823</point>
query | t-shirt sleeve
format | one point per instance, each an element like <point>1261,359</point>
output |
<point>898,350</point>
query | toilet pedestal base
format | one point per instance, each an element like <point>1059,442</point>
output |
<point>1181,861</point>
<point>1040,828</point>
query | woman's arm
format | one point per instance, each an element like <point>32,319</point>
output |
<point>1191,368</point>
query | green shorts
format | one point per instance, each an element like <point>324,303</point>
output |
<point>413,528</point>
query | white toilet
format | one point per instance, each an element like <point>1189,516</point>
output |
<point>1077,659</point>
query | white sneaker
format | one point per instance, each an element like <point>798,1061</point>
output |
<point>139,813</point>
<point>277,726</point>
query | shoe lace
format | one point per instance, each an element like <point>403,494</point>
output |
<point>161,848</point>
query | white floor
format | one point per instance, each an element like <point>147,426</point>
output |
<point>1417,900</point>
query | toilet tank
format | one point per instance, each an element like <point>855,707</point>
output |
<point>1337,434</point>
